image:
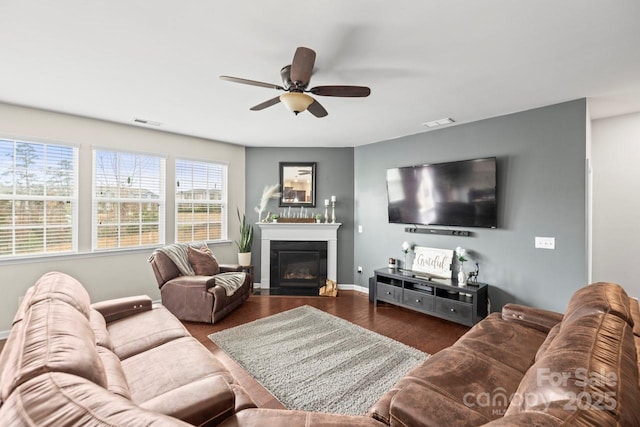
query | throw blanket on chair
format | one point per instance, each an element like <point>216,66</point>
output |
<point>177,252</point>
<point>230,281</point>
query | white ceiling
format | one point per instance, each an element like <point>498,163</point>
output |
<point>423,60</point>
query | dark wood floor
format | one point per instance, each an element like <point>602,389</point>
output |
<point>426,333</point>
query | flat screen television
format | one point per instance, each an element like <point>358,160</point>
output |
<point>461,193</point>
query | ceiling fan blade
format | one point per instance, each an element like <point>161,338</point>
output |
<point>302,65</point>
<point>344,91</point>
<point>251,82</point>
<point>316,109</point>
<point>265,104</point>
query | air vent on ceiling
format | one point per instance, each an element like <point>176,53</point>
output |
<point>147,122</point>
<point>439,122</point>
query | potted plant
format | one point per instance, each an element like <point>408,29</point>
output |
<point>246,240</point>
<point>318,218</point>
<point>274,217</point>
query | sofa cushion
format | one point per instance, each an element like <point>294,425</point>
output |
<point>599,298</point>
<point>510,343</point>
<point>547,341</point>
<point>99,327</point>
<point>116,380</point>
<point>203,262</point>
<point>143,331</point>
<point>182,367</point>
<point>52,337</point>
<point>171,365</point>
<point>61,287</point>
<point>458,379</point>
<point>64,400</point>
<point>587,376</point>
<point>214,401</point>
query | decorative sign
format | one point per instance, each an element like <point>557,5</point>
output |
<point>433,261</point>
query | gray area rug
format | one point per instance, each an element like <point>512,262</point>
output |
<point>311,360</point>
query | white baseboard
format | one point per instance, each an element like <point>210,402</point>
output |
<point>357,288</point>
<point>4,335</point>
<point>342,287</point>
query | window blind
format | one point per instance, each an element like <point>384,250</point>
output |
<point>38,198</point>
<point>128,200</point>
<point>201,201</point>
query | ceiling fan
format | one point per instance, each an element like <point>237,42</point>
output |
<point>295,79</point>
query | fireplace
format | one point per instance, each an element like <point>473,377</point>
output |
<point>325,234</point>
<point>298,265</point>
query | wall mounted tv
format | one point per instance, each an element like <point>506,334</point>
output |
<point>461,193</point>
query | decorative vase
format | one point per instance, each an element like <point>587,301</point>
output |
<point>462,276</point>
<point>244,258</point>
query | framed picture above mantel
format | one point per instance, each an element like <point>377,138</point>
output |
<point>298,184</point>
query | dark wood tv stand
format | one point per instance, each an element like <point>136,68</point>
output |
<point>436,297</point>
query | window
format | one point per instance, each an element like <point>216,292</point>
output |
<point>38,198</point>
<point>201,201</point>
<point>128,200</point>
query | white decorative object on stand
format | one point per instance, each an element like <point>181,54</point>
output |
<point>462,276</point>
<point>333,209</point>
<point>405,248</point>
<point>326,211</point>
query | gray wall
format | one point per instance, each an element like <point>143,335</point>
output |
<point>119,273</point>
<point>616,228</point>
<point>334,176</point>
<point>542,192</point>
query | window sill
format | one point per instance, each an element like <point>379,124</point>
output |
<point>97,254</point>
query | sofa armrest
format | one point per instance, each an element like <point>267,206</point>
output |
<point>536,318</point>
<point>119,308</point>
<point>228,268</point>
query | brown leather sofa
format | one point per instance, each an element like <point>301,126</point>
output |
<point>122,362</point>
<point>196,298</point>
<point>520,367</point>
<point>126,363</point>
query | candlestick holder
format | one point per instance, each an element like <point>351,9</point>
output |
<point>333,212</point>
<point>326,214</point>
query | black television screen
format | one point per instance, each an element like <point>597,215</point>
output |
<point>459,193</point>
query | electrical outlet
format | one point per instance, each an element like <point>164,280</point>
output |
<point>545,243</point>
<point>359,229</point>
<point>360,269</point>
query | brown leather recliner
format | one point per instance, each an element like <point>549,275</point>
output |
<point>196,298</point>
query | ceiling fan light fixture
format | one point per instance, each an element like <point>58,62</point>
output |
<point>296,102</point>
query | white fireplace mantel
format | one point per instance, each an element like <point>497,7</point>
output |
<point>325,232</point>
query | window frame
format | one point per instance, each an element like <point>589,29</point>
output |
<point>161,201</point>
<point>223,202</point>
<point>71,198</point>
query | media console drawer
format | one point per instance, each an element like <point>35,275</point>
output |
<point>419,300</point>
<point>389,293</point>
<point>454,309</point>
